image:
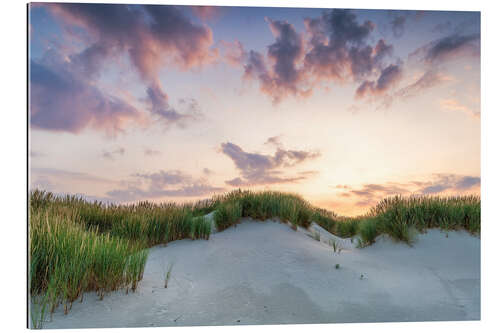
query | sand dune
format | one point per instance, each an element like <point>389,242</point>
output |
<point>266,273</point>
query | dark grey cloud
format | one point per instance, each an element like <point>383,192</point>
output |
<point>336,47</point>
<point>339,48</point>
<point>452,45</point>
<point>282,76</point>
<point>64,100</point>
<point>285,53</point>
<point>398,26</point>
<point>149,35</point>
<point>146,32</point>
<point>388,78</point>
<point>259,169</point>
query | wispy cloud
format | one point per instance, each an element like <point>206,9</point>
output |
<point>140,186</point>
<point>452,46</point>
<point>111,154</point>
<point>75,175</point>
<point>370,194</point>
<point>164,183</point>
<point>432,56</point>
<point>261,169</point>
<point>387,79</point>
<point>451,104</point>
<point>429,79</point>
<point>52,179</point>
<point>151,152</point>
<point>274,141</point>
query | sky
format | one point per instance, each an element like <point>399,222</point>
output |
<point>178,103</point>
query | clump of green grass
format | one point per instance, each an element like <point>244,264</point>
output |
<point>227,214</point>
<point>67,260</point>
<point>400,217</point>
<point>335,245</point>
<point>346,227</point>
<point>367,230</point>
<point>266,205</point>
<point>200,228</point>
<point>316,236</point>
<point>78,246</point>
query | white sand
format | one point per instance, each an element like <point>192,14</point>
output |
<point>266,273</point>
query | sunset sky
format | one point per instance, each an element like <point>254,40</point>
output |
<point>177,103</point>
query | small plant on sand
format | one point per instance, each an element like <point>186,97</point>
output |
<point>168,274</point>
<point>359,243</point>
<point>337,266</point>
<point>316,235</point>
<point>335,245</point>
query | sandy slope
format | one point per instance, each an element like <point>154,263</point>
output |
<point>266,273</point>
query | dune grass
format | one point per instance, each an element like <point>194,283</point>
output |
<point>399,217</point>
<point>67,260</point>
<point>403,217</point>
<point>264,205</point>
<point>78,246</point>
<point>367,230</point>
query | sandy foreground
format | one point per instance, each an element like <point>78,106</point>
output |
<point>267,273</point>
